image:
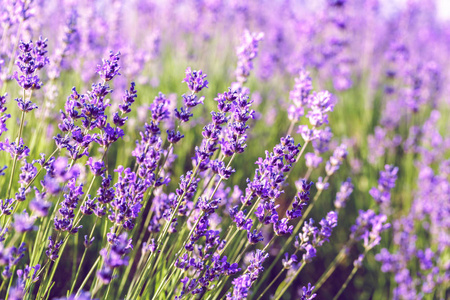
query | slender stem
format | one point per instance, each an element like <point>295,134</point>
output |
<point>87,277</point>
<point>180,252</point>
<point>13,169</point>
<point>82,259</point>
<point>291,127</point>
<point>290,282</point>
<point>349,278</point>
<point>331,268</point>
<point>172,216</point>
<point>270,284</point>
<point>162,286</point>
<point>269,243</point>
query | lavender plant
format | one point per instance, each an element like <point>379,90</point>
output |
<point>223,150</point>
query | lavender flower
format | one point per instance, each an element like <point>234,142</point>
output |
<point>39,205</point>
<point>306,293</point>
<point>339,154</point>
<point>23,223</point>
<point>16,150</point>
<point>241,287</point>
<point>247,52</point>
<point>300,96</point>
<point>312,160</point>
<point>25,105</point>
<point>320,103</point>
<point>3,116</point>
<point>195,80</point>
<point>82,296</point>
<point>10,257</point>
<point>52,251</point>
<point>300,200</point>
<point>386,182</point>
<point>344,193</point>
<point>68,205</point>
<point>31,59</point>
<point>368,227</point>
<point>288,261</point>
<point>312,237</point>
<point>115,258</point>
<point>109,67</point>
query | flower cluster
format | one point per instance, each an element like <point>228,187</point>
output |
<point>247,52</point>
<point>242,284</point>
<point>3,116</point>
<point>114,257</point>
<point>368,227</point>
<point>90,108</point>
<point>319,105</point>
<point>312,237</point>
<point>31,59</point>
<point>300,96</point>
<point>386,182</point>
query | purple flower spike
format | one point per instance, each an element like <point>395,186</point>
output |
<point>327,226</point>
<point>3,116</point>
<point>53,248</point>
<point>386,182</point>
<point>247,52</point>
<point>254,236</point>
<point>282,227</point>
<point>299,96</point>
<point>23,223</point>
<point>306,293</point>
<point>82,296</point>
<point>241,286</point>
<point>20,151</point>
<point>321,185</point>
<point>344,193</point>
<point>368,227</point>
<point>312,160</point>
<point>115,257</point>
<point>321,103</point>
<point>25,105</point>
<point>31,59</point>
<point>39,206</point>
<point>287,262</point>
<point>195,80</point>
<point>110,67</point>
<point>97,167</point>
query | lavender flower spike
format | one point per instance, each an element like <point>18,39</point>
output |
<point>195,80</point>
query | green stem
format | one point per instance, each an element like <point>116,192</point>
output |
<point>87,277</point>
<point>290,281</point>
<point>270,284</point>
<point>13,169</point>
<point>349,278</point>
<point>331,268</point>
<point>82,260</point>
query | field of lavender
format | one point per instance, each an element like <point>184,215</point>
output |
<point>215,149</point>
